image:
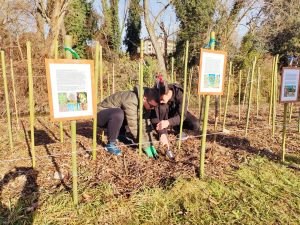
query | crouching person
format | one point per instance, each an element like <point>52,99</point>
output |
<point>168,113</point>
<point>121,109</point>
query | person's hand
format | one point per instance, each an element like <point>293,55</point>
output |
<point>162,125</point>
<point>164,140</point>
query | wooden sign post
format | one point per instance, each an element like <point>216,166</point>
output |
<point>211,82</point>
<point>288,93</point>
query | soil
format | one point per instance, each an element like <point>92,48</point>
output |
<point>131,172</point>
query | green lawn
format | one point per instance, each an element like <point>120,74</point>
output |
<point>261,192</point>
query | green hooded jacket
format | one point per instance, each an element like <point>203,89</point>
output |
<point>128,101</point>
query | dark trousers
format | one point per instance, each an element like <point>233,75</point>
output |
<point>112,119</point>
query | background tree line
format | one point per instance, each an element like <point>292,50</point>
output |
<point>272,27</point>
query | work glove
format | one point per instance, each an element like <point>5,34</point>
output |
<point>151,152</point>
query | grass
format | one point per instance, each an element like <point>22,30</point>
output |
<point>261,192</point>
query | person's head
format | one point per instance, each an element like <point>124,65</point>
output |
<point>163,89</point>
<point>151,98</point>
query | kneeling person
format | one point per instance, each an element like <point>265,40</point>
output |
<point>122,107</point>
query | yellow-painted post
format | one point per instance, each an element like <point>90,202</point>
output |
<point>14,91</point>
<point>61,126</point>
<point>175,77</point>
<point>284,132</point>
<point>101,82</point>
<point>31,102</point>
<point>257,91</point>
<point>240,85</point>
<point>246,88</point>
<point>172,70</point>
<point>141,97</point>
<point>108,84</point>
<point>291,112</point>
<point>220,107</point>
<point>274,95</point>
<point>113,78</point>
<point>250,95</point>
<point>68,43</point>
<point>205,118</point>
<point>184,92</point>
<point>299,121</point>
<point>271,91</point>
<point>97,52</point>
<point>101,74</point>
<point>199,105</point>
<point>227,95</point>
<point>190,87</point>
<point>7,101</point>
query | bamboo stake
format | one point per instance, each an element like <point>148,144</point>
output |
<point>284,132</point>
<point>101,82</point>
<point>227,95</point>
<point>61,127</point>
<point>97,52</point>
<point>274,95</point>
<point>175,77</point>
<point>271,91</point>
<point>141,96</point>
<point>7,101</point>
<point>172,70</point>
<point>250,95</point>
<point>190,87</point>
<point>246,88</point>
<point>199,105</point>
<point>101,74</point>
<point>108,85</point>
<point>113,78</point>
<point>14,91</point>
<point>220,107</point>
<point>68,43</point>
<point>31,101</point>
<point>291,112</point>
<point>257,91</point>
<point>299,121</point>
<point>184,92</point>
<point>239,101</point>
<point>205,119</point>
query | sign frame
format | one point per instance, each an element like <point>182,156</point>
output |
<point>282,100</point>
<point>201,70</point>
<point>91,87</point>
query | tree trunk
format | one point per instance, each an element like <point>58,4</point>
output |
<point>56,22</point>
<point>151,31</point>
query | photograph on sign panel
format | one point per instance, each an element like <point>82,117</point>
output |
<point>73,101</point>
<point>212,80</point>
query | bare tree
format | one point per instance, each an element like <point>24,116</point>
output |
<point>151,30</point>
<point>53,12</point>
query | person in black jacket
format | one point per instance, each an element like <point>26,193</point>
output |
<point>168,113</point>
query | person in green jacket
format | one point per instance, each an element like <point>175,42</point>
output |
<point>121,109</point>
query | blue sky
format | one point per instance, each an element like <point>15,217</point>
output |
<point>168,17</point>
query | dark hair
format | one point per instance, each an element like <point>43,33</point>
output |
<point>161,85</point>
<point>152,94</point>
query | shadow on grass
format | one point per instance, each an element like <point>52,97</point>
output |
<point>85,129</point>
<point>57,168</point>
<point>242,143</point>
<point>23,211</point>
<point>292,161</point>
